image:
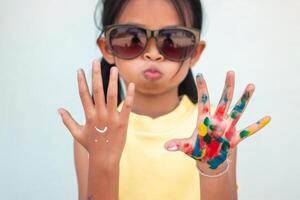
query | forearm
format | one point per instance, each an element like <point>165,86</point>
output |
<point>103,181</point>
<point>223,187</point>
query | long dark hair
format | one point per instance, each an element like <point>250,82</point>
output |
<point>112,8</point>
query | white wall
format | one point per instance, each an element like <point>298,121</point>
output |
<point>42,43</point>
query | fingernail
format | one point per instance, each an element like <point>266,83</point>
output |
<point>95,61</point>
<point>79,70</point>
<point>173,148</point>
<point>199,76</point>
<point>131,84</point>
<point>59,111</point>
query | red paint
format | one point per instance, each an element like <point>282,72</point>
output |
<point>213,133</point>
<point>212,149</point>
<point>234,122</point>
<point>185,145</point>
<point>202,143</point>
<point>205,109</point>
<point>188,148</point>
<point>220,112</point>
<point>229,133</point>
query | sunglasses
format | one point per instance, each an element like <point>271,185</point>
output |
<point>128,41</point>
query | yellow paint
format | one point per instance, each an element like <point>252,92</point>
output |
<point>258,126</point>
<point>203,151</point>
<point>264,122</point>
<point>252,130</point>
<point>202,130</point>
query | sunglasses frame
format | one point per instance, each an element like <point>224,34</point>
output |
<point>150,33</point>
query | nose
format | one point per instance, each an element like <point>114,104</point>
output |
<point>151,51</point>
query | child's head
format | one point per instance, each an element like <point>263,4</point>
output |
<point>174,68</point>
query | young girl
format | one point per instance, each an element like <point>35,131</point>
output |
<point>124,150</point>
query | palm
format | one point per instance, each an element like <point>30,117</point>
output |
<point>215,134</point>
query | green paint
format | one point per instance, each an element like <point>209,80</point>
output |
<point>225,146</point>
<point>234,115</point>
<point>245,97</point>
<point>207,138</point>
<point>244,133</point>
<point>206,121</point>
<point>212,127</point>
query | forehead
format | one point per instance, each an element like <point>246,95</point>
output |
<point>153,14</point>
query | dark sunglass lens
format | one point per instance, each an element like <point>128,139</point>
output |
<point>176,44</point>
<point>127,42</point>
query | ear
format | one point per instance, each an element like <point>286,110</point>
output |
<point>199,50</point>
<point>109,57</point>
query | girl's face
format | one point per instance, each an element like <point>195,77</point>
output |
<point>153,14</point>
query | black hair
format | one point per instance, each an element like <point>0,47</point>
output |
<point>111,10</point>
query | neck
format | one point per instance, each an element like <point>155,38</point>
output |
<point>155,105</point>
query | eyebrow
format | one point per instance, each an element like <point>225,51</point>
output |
<point>143,25</point>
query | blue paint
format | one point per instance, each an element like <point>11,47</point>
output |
<point>218,160</point>
<point>240,107</point>
<point>197,152</point>
<point>204,98</point>
<point>225,99</point>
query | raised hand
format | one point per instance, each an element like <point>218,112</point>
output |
<point>104,133</point>
<point>215,135</point>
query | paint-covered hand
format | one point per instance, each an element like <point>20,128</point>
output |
<point>215,135</point>
<point>101,116</point>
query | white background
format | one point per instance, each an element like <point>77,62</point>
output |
<point>43,43</point>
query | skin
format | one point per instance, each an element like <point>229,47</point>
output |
<point>215,134</point>
<point>153,98</point>
<point>104,158</point>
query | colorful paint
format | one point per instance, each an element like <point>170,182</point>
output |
<point>204,98</point>
<point>252,129</point>
<point>214,149</point>
<point>214,138</point>
<point>223,104</point>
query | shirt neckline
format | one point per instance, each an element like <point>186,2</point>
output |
<point>163,123</point>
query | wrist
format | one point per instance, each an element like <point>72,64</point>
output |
<point>106,163</point>
<point>205,170</point>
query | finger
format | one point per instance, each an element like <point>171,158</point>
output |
<point>250,130</point>
<point>112,91</point>
<point>98,87</point>
<point>203,97</point>
<point>177,145</point>
<point>70,123</point>
<point>85,96</point>
<point>191,148</point>
<point>226,97</point>
<point>240,106</point>
<point>126,108</point>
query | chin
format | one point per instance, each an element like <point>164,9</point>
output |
<point>153,89</point>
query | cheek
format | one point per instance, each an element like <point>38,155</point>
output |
<point>128,69</point>
<point>182,71</point>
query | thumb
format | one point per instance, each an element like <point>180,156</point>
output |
<point>70,123</point>
<point>177,145</point>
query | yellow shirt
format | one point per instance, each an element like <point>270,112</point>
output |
<point>147,170</point>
